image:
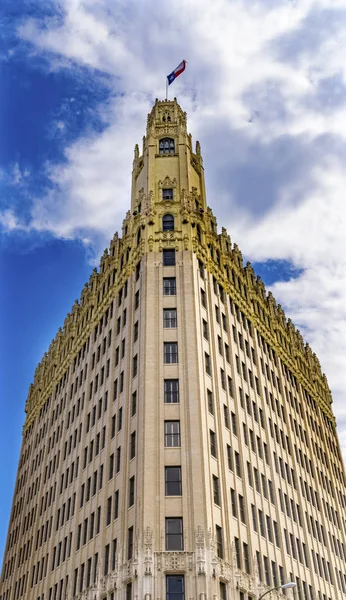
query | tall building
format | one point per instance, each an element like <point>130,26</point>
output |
<point>179,440</point>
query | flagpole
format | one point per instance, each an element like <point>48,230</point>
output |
<point>166,88</point>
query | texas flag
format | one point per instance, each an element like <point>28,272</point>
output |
<point>180,68</point>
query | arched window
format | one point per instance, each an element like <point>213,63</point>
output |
<point>168,223</point>
<point>166,146</point>
<point>199,235</point>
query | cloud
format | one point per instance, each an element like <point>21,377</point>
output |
<point>264,92</point>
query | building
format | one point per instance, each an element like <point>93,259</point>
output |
<point>179,440</point>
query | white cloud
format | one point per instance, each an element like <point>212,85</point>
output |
<point>273,143</point>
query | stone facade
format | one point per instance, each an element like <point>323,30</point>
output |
<point>179,439</point>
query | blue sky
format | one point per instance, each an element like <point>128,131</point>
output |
<point>264,90</point>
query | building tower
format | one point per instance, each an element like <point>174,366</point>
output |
<point>179,440</point>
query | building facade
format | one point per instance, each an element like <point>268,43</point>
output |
<point>179,440</point>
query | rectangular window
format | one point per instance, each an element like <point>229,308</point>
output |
<point>170,318</point>
<point>172,434</point>
<point>170,352</point>
<point>237,463</point>
<point>167,194</point>
<point>133,445</point>
<point>111,466</point>
<point>129,591</point>
<point>169,286</point>
<point>230,458</point>
<point>207,363</point>
<point>173,481</point>
<point>168,257</point>
<point>175,587</point>
<point>223,591</point>
<point>134,365</point>
<point>247,565</point>
<point>118,459</point>
<point>134,404</point>
<point>210,402</point>
<point>234,504</point>
<point>174,533</point>
<point>131,491</point>
<point>109,511</point>
<point>129,543</point>
<point>216,490</point>
<point>114,553</point>
<point>135,332</point>
<point>213,450</point>
<point>106,560</point>
<point>203,298</point>
<point>242,509</point>
<point>219,541</point>
<point>205,329</point>
<point>237,552</point>
<point>116,504</point>
<point>171,391</point>
<point>226,415</point>
<point>223,379</point>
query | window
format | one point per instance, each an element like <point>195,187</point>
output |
<point>175,587</point>
<point>237,463</point>
<point>168,257</point>
<point>120,418</point>
<point>111,466</point>
<point>134,365</point>
<point>219,543</point>
<point>133,445</point>
<point>210,402</point>
<point>246,558</point>
<point>106,560</point>
<point>132,491</point>
<point>242,509</point>
<point>129,591</point>
<point>167,194</point>
<point>171,391</point>
<point>118,459</point>
<point>135,332</point>
<point>212,443</point>
<point>174,533</point>
<point>116,504</point>
<point>170,317</point>
<point>234,504</point>
<point>172,434</point>
<point>226,415</point>
<point>173,481</point>
<point>207,363</point>
<point>229,458</point>
<point>205,329</point>
<point>223,591</point>
<point>168,223</point>
<point>216,490</point>
<point>129,543</point>
<point>134,404</point>
<point>203,298</point>
<point>169,286</point>
<point>166,146</point>
<point>170,352</point>
<point>109,510</point>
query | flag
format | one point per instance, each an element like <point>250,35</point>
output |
<point>180,68</point>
